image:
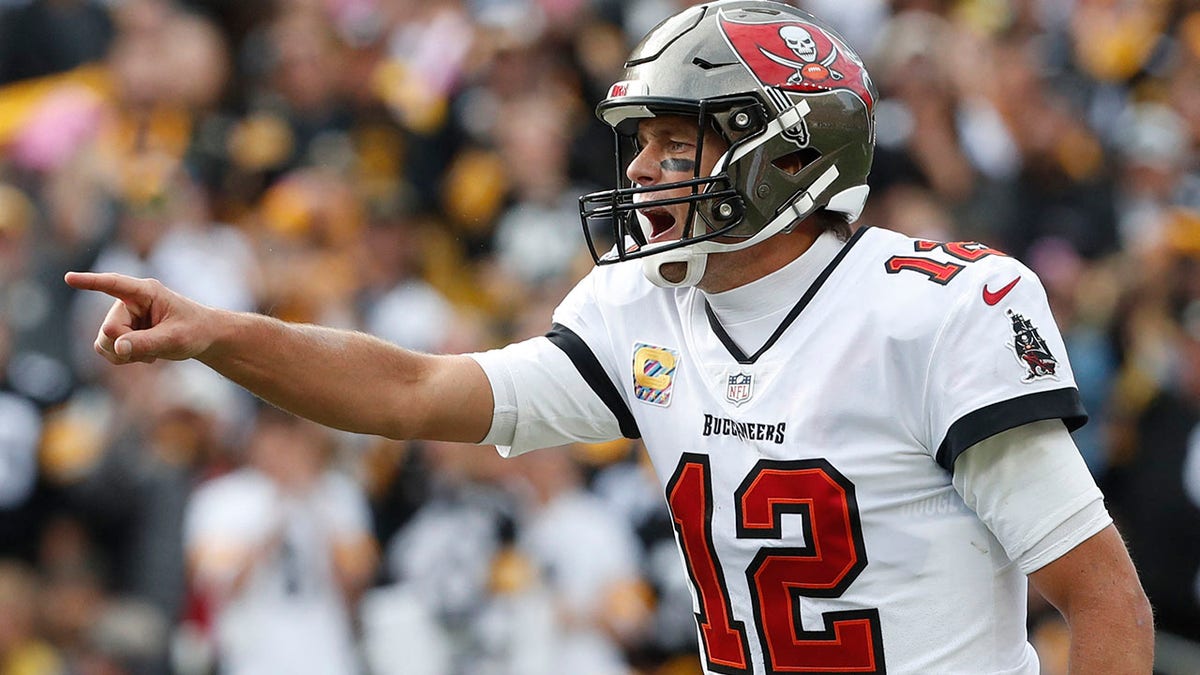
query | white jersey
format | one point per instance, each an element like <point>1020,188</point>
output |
<point>809,469</point>
<point>290,616</point>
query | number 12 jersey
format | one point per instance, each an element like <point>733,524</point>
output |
<point>806,430</point>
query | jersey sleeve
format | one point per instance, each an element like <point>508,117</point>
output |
<point>1030,486</point>
<point>560,387</point>
<point>997,362</point>
<point>541,399</point>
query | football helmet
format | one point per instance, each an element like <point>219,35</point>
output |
<point>794,104</point>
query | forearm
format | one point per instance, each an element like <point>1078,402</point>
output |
<point>1096,589</point>
<point>348,380</point>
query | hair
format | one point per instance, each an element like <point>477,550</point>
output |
<point>832,221</point>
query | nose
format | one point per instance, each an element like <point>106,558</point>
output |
<point>644,169</point>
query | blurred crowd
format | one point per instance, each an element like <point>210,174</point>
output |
<point>411,168</point>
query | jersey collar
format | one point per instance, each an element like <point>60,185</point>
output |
<point>778,290</point>
<point>805,275</point>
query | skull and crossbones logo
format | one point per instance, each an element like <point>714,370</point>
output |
<point>808,68</point>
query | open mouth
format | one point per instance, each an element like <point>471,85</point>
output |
<point>661,223</point>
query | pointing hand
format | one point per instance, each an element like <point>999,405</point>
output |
<point>148,321</point>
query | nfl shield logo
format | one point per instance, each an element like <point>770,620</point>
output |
<point>741,387</point>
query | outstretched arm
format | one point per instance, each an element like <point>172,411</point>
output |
<point>343,379</point>
<point>1096,589</point>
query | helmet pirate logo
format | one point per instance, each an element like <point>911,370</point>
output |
<point>801,42</point>
<point>797,56</point>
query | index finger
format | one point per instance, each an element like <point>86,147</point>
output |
<point>117,285</point>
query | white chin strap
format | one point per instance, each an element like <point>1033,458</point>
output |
<point>694,263</point>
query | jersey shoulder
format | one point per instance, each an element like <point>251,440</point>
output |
<point>922,277</point>
<point>612,293</point>
<point>940,262</point>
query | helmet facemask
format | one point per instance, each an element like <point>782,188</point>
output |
<point>788,97</point>
<point>714,209</point>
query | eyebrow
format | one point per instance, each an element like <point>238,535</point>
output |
<point>673,133</point>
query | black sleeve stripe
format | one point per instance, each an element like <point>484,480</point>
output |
<point>593,373</point>
<point>991,420</point>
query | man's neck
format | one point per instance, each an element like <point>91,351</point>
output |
<point>726,271</point>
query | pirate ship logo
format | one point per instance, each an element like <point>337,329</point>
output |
<point>1032,351</point>
<point>797,56</point>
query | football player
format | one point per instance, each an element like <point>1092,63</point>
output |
<point>863,438</point>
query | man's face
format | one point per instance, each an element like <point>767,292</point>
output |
<point>667,155</point>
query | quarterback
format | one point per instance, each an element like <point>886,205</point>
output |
<point>863,438</point>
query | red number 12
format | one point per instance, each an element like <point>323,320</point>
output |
<point>831,559</point>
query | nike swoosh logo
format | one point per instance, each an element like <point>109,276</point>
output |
<point>992,297</point>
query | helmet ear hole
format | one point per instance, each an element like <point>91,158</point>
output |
<point>728,210</point>
<point>747,119</point>
<point>794,162</point>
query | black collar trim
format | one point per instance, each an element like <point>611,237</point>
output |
<point>736,352</point>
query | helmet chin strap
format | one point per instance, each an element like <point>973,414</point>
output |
<point>694,263</point>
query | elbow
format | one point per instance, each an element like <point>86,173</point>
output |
<point>436,398</point>
<point>397,428</point>
<point>1143,613</point>
<point>1142,616</point>
<point>1132,610</point>
<point>1131,601</point>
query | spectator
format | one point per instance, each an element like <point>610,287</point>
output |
<point>22,649</point>
<point>46,36</point>
<point>282,549</point>
<point>249,139</point>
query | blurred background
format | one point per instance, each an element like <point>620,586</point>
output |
<point>410,168</point>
